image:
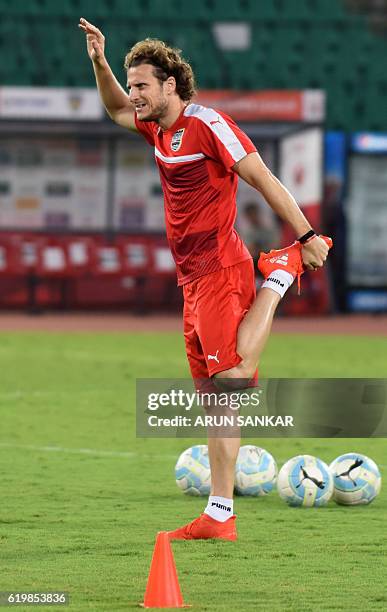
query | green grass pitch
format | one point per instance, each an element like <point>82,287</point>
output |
<point>82,498</point>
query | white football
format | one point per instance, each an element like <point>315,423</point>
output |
<point>356,479</point>
<point>255,471</point>
<point>305,481</point>
<point>192,471</point>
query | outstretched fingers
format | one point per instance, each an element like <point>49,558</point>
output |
<point>88,27</point>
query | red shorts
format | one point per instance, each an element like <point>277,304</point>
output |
<point>214,306</point>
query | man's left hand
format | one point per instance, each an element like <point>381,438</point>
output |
<point>315,252</point>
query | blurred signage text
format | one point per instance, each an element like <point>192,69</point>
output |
<point>47,103</point>
<point>271,105</point>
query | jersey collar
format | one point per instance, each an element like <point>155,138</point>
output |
<point>176,124</point>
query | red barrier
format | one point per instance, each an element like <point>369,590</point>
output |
<point>87,271</point>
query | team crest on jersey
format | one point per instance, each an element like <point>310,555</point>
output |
<point>177,140</point>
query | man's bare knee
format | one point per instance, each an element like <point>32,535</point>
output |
<point>234,379</point>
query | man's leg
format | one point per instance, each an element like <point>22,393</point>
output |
<point>218,519</point>
<point>223,448</point>
<point>227,323</point>
<point>215,320</point>
<point>253,332</point>
<point>255,328</point>
<point>279,269</point>
<point>223,453</point>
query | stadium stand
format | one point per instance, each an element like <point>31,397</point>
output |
<point>294,43</point>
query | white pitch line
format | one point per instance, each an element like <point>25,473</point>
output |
<point>74,451</point>
<point>84,451</point>
<point>104,453</point>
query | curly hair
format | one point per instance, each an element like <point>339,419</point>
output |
<point>167,62</point>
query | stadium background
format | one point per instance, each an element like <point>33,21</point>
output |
<point>82,243</point>
<point>306,68</point>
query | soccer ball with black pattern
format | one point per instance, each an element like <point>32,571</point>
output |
<point>255,471</point>
<point>305,481</point>
<point>357,480</point>
<point>192,471</point>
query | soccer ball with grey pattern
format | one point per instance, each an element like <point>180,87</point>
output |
<point>192,471</point>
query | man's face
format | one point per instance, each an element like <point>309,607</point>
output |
<point>147,94</point>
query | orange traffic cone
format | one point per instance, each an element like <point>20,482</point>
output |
<point>163,589</point>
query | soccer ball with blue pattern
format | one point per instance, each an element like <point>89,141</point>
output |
<point>305,481</point>
<point>255,471</point>
<point>356,479</point>
<point>192,471</point>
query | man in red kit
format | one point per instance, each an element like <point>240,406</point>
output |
<point>200,152</point>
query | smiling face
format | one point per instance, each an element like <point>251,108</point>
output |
<point>149,95</point>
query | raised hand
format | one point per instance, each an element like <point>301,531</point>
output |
<point>95,40</point>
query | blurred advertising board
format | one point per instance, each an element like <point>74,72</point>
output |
<point>270,105</point>
<point>301,171</point>
<point>50,103</point>
<point>53,183</point>
<point>366,217</point>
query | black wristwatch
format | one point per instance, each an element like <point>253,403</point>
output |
<point>307,236</point>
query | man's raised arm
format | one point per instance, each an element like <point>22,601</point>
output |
<point>253,170</point>
<point>113,96</point>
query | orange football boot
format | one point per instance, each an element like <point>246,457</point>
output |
<point>206,528</point>
<point>288,259</point>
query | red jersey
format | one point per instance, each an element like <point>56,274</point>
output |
<point>195,156</point>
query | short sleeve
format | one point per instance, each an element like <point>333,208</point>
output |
<point>146,128</point>
<point>222,140</point>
